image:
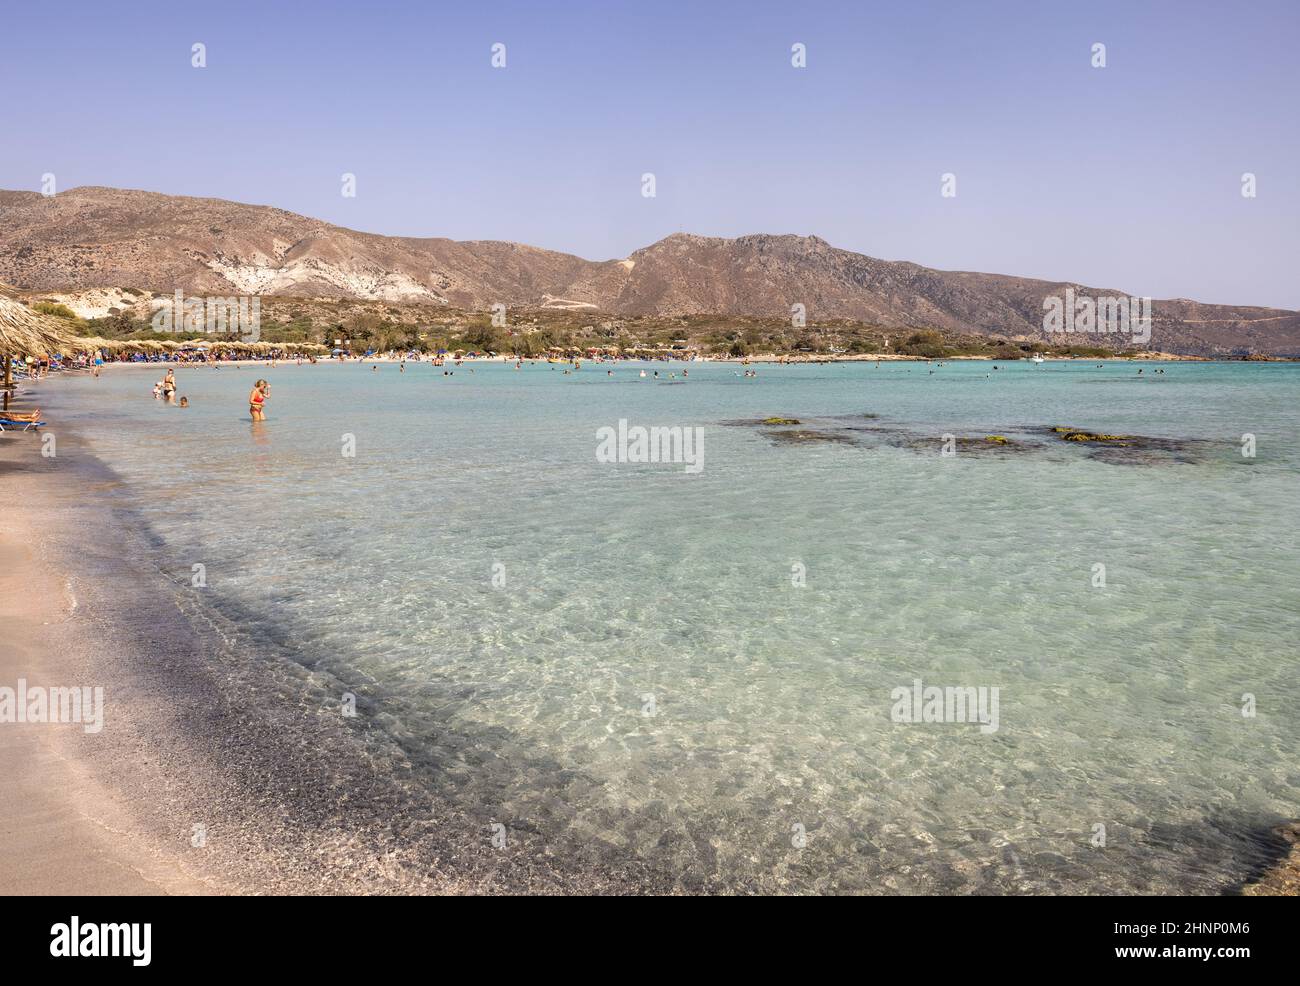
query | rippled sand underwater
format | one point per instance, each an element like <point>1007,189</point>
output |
<point>696,670</point>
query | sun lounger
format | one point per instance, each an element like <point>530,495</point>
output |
<point>20,425</point>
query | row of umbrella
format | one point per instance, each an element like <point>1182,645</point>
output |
<point>24,332</point>
<point>194,345</point>
<point>27,332</point>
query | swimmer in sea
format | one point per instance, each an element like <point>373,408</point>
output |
<point>257,400</point>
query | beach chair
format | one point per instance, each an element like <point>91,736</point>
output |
<point>19,422</point>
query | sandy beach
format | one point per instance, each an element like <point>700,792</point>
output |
<point>64,831</point>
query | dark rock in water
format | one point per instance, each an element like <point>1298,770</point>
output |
<point>993,443</point>
<point>759,422</point>
<point>964,445</point>
<point>1092,436</point>
<point>1142,454</point>
<point>1133,450</point>
<point>803,436</point>
<point>1071,434</point>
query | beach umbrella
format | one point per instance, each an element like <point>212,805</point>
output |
<point>25,331</point>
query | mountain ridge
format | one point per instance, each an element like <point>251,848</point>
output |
<point>96,237</point>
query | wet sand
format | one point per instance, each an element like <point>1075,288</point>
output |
<point>61,830</point>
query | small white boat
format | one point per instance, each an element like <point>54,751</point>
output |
<point>1037,359</point>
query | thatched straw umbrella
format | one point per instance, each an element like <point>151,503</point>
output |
<point>25,331</point>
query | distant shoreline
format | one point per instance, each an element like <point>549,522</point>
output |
<point>773,358</point>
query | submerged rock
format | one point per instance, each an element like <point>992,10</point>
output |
<point>804,436</point>
<point>782,421</point>
<point>1149,452</point>
<point>965,444</point>
<point>1133,450</point>
<point>1092,436</point>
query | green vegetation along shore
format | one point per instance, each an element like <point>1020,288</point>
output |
<point>382,327</point>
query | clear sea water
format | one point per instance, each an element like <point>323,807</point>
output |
<point>632,589</point>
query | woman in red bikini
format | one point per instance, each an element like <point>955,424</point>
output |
<point>257,400</point>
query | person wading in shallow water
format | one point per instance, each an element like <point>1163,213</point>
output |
<point>257,400</point>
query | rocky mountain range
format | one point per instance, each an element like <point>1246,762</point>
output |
<point>95,238</point>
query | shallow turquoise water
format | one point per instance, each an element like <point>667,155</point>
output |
<point>626,585</point>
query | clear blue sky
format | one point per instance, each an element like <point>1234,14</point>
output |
<point>1125,177</point>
